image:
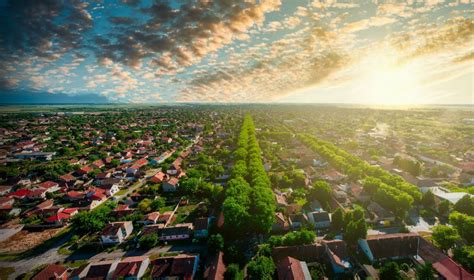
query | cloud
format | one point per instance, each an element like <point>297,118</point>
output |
<point>32,27</point>
<point>185,34</point>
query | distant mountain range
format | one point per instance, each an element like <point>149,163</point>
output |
<point>31,97</point>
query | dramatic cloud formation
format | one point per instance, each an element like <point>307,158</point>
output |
<point>235,51</point>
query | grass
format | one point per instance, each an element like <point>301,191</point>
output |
<point>121,192</point>
<point>5,272</point>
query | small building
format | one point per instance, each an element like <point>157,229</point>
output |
<point>151,218</point>
<point>116,232</point>
<point>171,185</point>
<point>390,246</point>
<point>52,272</point>
<point>177,232</point>
<point>183,266</point>
<point>292,269</point>
<point>281,224</point>
<point>320,219</point>
<point>131,268</point>
<point>298,220</point>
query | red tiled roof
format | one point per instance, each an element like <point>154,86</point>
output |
<point>45,204</point>
<point>20,193</point>
<point>173,181</point>
<point>52,271</point>
<point>67,177</point>
<point>58,217</point>
<point>449,269</point>
<point>289,269</point>
<point>48,184</point>
<point>128,267</point>
<point>153,216</point>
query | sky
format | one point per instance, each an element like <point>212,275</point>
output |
<point>308,51</point>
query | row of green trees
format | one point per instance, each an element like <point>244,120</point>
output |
<point>390,190</point>
<point>249,205</point>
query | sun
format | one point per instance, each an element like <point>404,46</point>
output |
<point>387,83</point>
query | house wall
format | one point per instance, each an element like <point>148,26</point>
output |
<point>364,246</point>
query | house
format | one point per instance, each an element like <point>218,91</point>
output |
<point>298,220</point>
<point>338,255</point>
<point>216,268</point>
<point>116,232</point>
<point>98,164</point>
<point>95,270</point>
<point>50,186</point>
<point>390,246</point>
<point>171,185</point>
<point>281,224</point>
<point>176,232</point>
<point>183,266</point>
<point>37,194</point>
<point>152,229</point>
<point>379,213</point>
<point>166,217</point>
<point>19,194</point>
<point>52,272</point>
<point>292,269</point>
<point>74,195</point>
<point>151,218</point>
<point>158,178</point>
<point>110,189</point>
<point>45,205</point>
<point>67,178</point>
<point>122,210</point>
<point>333,176</point>
<point>131,268</point>
<point>201,227</point>
<point>6,201</point>
<point>320,219</point>
<point>84,170</point>
<point>281,200</point>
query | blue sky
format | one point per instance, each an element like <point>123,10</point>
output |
<point>376,52</point>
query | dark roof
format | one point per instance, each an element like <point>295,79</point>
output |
<point>217,267</point>
<point>386,246</point>
<point>307,253</point>
<point>98,270</point>
<point>428,252</point>
<point>320,216</point>
<point>181,266</point>
<point>129,267</point>
<point>176,230</point>
<point>201,223</point>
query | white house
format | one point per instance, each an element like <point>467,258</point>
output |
<point>116,232</point>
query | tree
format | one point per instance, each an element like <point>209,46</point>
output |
<point>445,236</point>
<point>233,272</point>
<point>444,208</point>
<point>428,200</point>
<point>215,242</point>
<point>426,272</point>
<point>464,225</point>
<point>465,256</point>
<point>337,219</point>
<point>156,204</point>
<point>261,268</point>
<point>145,205</point>
<point>321,191</point>
<point>148,241</point>
<point>390,271</point>
<point>465,205</point>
